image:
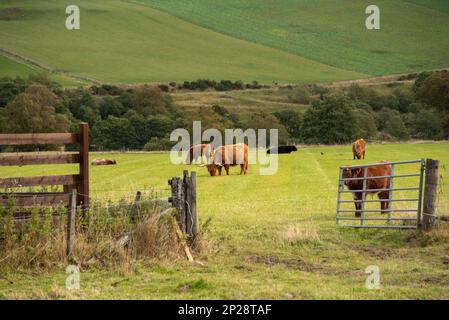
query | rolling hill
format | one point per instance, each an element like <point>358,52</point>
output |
<point>284,41</point>
<point>127,42</point>
<point>413,34</point>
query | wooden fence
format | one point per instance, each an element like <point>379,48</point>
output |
<point>79,182</point>
<point>183,199</point>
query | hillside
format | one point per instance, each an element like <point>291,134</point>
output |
<point>124,42</point>
<point>413,34</point>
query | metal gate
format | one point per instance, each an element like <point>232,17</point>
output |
<point>404,197</point>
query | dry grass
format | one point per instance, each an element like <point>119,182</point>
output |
<point>105,238</point>
<point>302,233</point>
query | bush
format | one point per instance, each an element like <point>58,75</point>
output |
<point>390,122</point>
<point>434,91</point>
<point>164,88</point>
<point>331,121</point>
<point>300,95</point>
<point>427,125</point>
<point>159,144</point>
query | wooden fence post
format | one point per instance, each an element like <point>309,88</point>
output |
<point>191,224</point>
<point>177,201</point>
<point>183,198</point>
<point>71,224</point>
<point>83,185</point>
<point>430,194</point>
<point>135,209</point>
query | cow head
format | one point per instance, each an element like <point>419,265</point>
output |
<point>351,173</point>
<point>212,168</point>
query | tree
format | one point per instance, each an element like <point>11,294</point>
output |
<point>268,121</point>
<point>365,122</point>
<point>149,101</point>
<point>435,91</point>
<point>390,122</point>
<point>331,121</point>
<point>84,107</point>
<point>34,111</point>
<point>291,120</point>
<point>113,134</point>
<point>420,80</point>
<point>428,125</point>
<point>9,88</point>
<point>110,106</point>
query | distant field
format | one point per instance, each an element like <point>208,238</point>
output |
<point>124,42</point>
<point>413,34</point>
<point>9,67</point>
<point>272,237</point>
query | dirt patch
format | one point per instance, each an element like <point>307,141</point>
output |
<point>375,252</point>
<point>299,264</point>
<point>8,14</point>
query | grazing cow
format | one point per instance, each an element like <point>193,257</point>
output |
<point>229,155</point>
<point>372,183</point>
<point>198,151</point>
<point>103,162</point>
<point>359,149</point>
<point>282,150</point>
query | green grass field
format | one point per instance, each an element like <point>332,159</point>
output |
<point>13,68</point>
<point>271,237</point>
<point>124,42</point>
<point>412,36</point>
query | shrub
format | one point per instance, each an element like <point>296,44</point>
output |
<point>300,95</point>
<point>331,121</point>
<point>159,144</point>
<point>390,122</point>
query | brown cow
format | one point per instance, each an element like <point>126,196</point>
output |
<point>371,184</point>
<point>103,162</point>
<point>226,156</point>
<point>359,149</point>
<point>198,151</point>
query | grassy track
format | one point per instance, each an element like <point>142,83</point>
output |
<point>271,236</point>
<point>413,34</point>
<point>125,42</point>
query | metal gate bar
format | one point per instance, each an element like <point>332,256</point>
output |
<point>364,191</point>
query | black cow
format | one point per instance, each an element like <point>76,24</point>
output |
<point>282,150</point>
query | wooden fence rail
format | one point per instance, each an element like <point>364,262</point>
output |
<point>79,181</point>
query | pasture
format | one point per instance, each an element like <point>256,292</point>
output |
<point>330,34</point>
<point>269,237</point>
<point>148,45</point>
<point>12,68</point>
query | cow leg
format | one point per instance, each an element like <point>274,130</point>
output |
<point>242,169</point>
<point>246,167</point>
<point>363,155</point>
<point>384,205</point>
<point>227,169</point>
<point>358,205</point>
<point>219,170</point>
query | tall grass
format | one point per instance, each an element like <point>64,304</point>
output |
<point>106,236</point>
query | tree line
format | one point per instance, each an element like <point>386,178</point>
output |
<point>143,117</point>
